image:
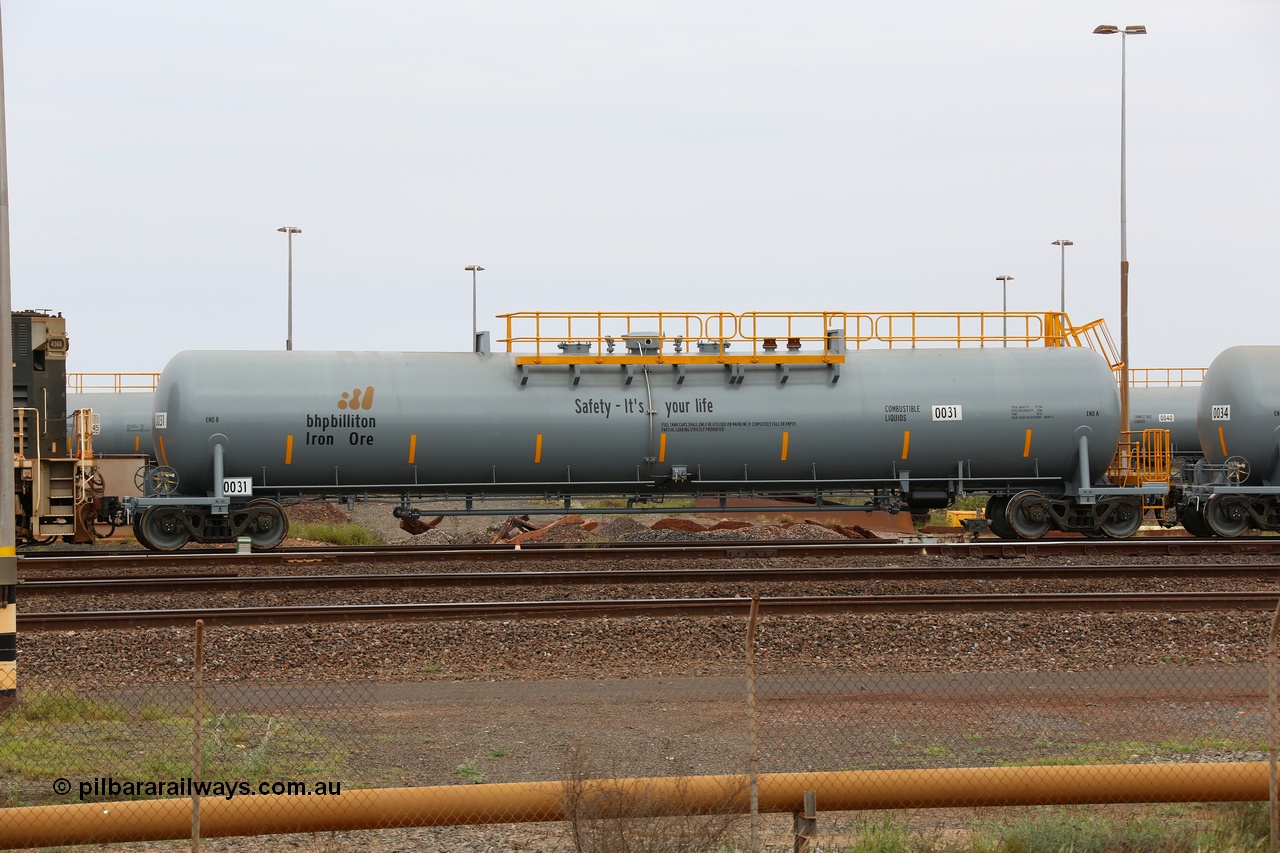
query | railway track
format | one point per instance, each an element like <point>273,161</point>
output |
<point>1156,546</point>
<point>207,584</point>
<point>655,608</point>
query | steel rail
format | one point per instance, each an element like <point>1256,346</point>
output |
<point>853,605</point>
<point>987,548</point>
<point>102,586</point>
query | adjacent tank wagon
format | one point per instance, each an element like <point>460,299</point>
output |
<point>1236,487</point>
<point>121,420</point>
<point>1171,407</point>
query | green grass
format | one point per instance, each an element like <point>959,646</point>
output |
<point>1176,828</point>
<point>60,733</point>
<point>61,706</point>
<point>470,772</point>
<point>1196,744</point>
<point>1055,753</point>
<point>1224,827</point>
<point>335,534</point>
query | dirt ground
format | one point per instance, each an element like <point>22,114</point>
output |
<point>378,518</point>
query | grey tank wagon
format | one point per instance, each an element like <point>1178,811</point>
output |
<point>237,433</point>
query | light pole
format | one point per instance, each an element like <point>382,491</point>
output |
<point>1131,30</point>
<point>290,231</point>
<point>473,269</point>
<point>8,502</point>
<point>1064,244</point>
<point>1004,282</point>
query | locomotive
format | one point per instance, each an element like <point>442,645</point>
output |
<point>63,489</point>
<point>594,405</point>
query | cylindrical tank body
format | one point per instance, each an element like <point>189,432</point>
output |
<point>124,420</point>
<point>466,422</point>
<point>1238,413</point>
<point>1171,407</point>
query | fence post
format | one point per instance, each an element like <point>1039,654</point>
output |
<point>198,745</point>
<point>1273,710</point>
<point>805,824</point>
<point>1274,735</point>
<point>753,757</point>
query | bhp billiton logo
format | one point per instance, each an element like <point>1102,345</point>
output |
<point>357,399</point>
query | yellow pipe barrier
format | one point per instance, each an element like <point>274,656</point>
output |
<point>384,808</point>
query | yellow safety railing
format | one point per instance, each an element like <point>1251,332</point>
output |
<point>117,382</point>
<point>606,337</point>
<point>1096,337</point>
<point>1158,377</point>
<point>1141,457</point>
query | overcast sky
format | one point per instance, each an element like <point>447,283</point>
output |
<point>682,156</point>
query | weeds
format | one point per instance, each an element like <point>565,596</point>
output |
<point>469,771</point>
<point>631,816</point>
<point>335,534</point>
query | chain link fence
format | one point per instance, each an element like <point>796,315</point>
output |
<point>581,735</point>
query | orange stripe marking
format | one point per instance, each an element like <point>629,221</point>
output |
<point>164,458</point>
<point>413,447</point>
<point>662,447</point>
<point>288,450</point>
<point>537,450</point>
<point>906,442</point>
<point>786,439</point>
<point>1222,439</point>
<point>1026,447</point>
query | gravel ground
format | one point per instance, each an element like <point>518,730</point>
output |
<point>645,682</point>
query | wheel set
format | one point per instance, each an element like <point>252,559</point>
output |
<point>1031,514</point>
<point>169,528</point>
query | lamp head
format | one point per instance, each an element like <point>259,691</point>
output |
<point>1129,30</point>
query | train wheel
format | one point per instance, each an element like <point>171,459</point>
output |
<point>1124,520</point>
<point>1192,519</point>
<point>162,529</point>
<point>1027,515</point>
<point>139,535</point>
<point>268,525</point>
<point>996,507</point>
<point>1226,517</point>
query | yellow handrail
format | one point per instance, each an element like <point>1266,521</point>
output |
<point>115,382</point>
<point>613,336</point>
<point>1141,457</point>
<point>1149,377</point>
